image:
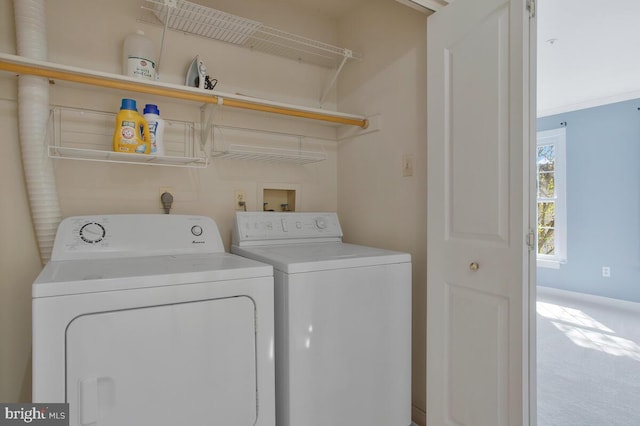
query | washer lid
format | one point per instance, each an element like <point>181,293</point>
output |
<point>96,275</point>
<point>310,257</point>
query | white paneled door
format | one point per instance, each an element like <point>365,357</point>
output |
<point>479,213</point>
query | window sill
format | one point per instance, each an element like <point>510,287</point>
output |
<point>549,264</point>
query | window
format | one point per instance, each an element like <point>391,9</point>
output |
<point>551,197</point>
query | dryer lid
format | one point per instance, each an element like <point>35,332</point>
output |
<point>97,275</point>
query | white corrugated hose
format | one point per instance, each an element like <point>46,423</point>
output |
<point>33,113</point>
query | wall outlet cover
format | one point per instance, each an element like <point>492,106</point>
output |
<point>239,197</point>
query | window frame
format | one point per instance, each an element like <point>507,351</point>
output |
<point>557,138</point>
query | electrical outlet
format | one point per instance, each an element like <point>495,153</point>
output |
<point>407,165</point>
<point>240,200</point>
<point>606,271</point>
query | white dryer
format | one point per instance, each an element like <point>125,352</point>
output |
<point>343,321</point>
<point>145,320</point>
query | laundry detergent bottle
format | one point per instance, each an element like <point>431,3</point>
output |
<point>156,127</point>
<point>132,133</point>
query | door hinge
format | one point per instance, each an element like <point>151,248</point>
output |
<point>531,240</point>
<point>531,7</point>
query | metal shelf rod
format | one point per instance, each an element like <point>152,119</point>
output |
<point>21,65</point>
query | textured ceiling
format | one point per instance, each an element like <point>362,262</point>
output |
<point>588,53</point>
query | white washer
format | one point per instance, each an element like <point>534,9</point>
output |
<point>343,321</point>
<point>145,320</point>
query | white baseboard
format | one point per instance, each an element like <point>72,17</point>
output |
<point>590,298</point>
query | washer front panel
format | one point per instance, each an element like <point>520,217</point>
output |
<point>343,345</point>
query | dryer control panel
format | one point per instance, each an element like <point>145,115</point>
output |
<point>130,235</point>
<point>264,228</point>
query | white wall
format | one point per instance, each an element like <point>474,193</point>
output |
<point>377,205</point>
<point>19,258</point>
<point>108,188</point>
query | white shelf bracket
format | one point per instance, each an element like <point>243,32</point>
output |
<point>169,4</point>
<point>207,111</point>
<point>348,54</point>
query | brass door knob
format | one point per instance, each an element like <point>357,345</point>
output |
<point>474,266</point>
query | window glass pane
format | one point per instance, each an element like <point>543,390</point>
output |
<point>546,185</point>
<point>546,214</point>
<point>551,202</point>
<point>546,158</point>
<point>546,241</point>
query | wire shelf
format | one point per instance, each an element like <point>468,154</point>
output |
<point>235,143</point>
<point>82,134</point>
<point>122,157</point>
<point>270,155</point>
<point>204,21</point>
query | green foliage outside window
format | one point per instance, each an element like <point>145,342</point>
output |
<point>546,199</point>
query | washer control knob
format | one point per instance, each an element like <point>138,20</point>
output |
<point>321,223</point>
<point>196,230</point>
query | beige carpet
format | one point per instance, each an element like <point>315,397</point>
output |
<point>588,360</point>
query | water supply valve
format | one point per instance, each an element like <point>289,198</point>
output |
<point>167,200</point>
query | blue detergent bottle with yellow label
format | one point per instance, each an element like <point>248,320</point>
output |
<point>132,133</point>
